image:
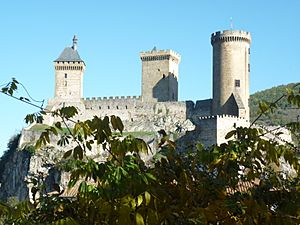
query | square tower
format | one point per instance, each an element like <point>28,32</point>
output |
<point>160,75</point>
<point>69,70</point>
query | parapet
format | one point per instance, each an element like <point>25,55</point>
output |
<point>111,98</point>
<point>230,36</point>
<point>159,55</point>
<point>222,116</point>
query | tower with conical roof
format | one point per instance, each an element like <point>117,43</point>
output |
<point>69,70</point>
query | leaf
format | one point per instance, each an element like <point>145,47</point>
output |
<point>4,90</point>
<point>120,124</point>
<point>15,80</point>
<point>139,219</point>
<point>67,154</point>
<point>78,152</point>
<point>88,145</point>
<point>162,132</point>
<point>113,121</point>
<point>54,131</point>
<point>58,125</point>
<point>38,144</point>
<point>117,123</point>
<point>76,128</point>
<point>68,111</point>
<point>139,200</point>
<point>230,134</point>
<point>263,106</point>
<point>150,176</point>
<point>29,118</point>
<point>147,198</point>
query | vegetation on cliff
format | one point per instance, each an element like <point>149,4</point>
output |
<point>285,112</point>
<point>240,182</point>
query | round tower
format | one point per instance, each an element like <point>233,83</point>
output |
<point>231,70</point>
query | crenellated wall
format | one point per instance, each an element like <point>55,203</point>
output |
<point>131,108</point>
<point>213,129</point>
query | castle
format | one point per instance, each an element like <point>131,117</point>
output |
<point>213,118</point>
<point>206,121</point>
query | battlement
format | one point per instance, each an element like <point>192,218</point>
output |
<point>159,55</point>
<point>230,36</point>
<point>222,116</point>
<point>111,98</point>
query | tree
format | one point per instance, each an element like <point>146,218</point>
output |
<point>239,182</point>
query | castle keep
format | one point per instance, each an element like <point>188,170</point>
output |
<point>231,68</point>
<point>158,105</point>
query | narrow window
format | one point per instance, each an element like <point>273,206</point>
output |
<point>117,107</point>
<point>249,51</point>
<point>164,76</point>
<point>125,106</point>
<point>66,75</point>
<point>248,67</point>
<point>107,107</point>
<point>99,107</point>
<point>237,83</point>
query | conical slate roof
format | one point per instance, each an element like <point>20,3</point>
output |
<point>69,55</point>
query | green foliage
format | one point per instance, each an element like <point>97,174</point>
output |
<point>239,182</point>
<point>11,87</point>
<point>30,149</point>
<point>280,113</point>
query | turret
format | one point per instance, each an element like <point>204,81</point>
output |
<point>231,70</point>
<point>69,70</point>
<point>159,75</point>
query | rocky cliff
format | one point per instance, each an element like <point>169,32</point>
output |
<point>25,164</point>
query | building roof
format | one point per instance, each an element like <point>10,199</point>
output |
<point>69,55</point>
<point>238,100</point>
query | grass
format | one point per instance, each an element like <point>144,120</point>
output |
<point>38,127</point>
<point>41,127</point>
<point>140,133</point>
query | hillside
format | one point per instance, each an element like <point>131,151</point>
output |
<point>285,112</point>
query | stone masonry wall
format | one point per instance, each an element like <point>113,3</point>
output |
<point>69,80</point>
<point>213,129</point>
<point>159,75</point>
<point>231,69</point>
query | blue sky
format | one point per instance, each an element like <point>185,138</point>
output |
<point>112,33</point>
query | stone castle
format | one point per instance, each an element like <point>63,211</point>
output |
<point>212,118</point>
<point>205,121</point>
